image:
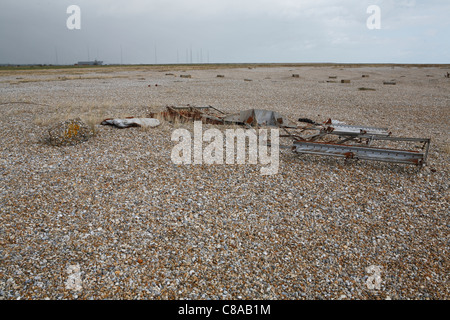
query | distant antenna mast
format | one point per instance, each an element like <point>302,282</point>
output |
<point>121,55</point>
<point>156,58</point>
<point>56,56</point>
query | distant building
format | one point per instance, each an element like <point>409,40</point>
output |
<point>90,63</point>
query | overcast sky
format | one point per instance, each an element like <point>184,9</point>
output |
<point>225,31</point>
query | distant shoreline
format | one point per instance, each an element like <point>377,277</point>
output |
<point>203,66</point>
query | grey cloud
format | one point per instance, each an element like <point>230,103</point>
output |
<point>224,31</point>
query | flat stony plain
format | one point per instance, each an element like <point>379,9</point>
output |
<point>140,227</point>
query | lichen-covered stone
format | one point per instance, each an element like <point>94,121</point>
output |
<point>69,133</point>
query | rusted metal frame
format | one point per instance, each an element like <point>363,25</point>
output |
<point>312,137</point>
<point>202,107</point>
<point>346,129</point>
<point>390,138</point>
<point>426,142</point>
<point>358,152</point>
<point>316,136</point>
<point>217,110</point>
<point>194,113</point>
<point>309,127</point>
<point>349,132</point>
<point>178,110</point>
<point>206,115</point>
<point>237,123</point>
<point>178,113</point>
<point>213,118</point>
<point>347,139</point>
<point>198,109</point>
<point>287,135</point>
<point>296,136</point>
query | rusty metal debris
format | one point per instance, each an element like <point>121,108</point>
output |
<point>357,142</point>
<point>259,117</point>
<point>330,138</point>
<point>360,152</point>
<point>211,115</point>
<point>207,114</point>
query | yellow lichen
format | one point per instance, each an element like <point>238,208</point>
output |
<point>72,130</point>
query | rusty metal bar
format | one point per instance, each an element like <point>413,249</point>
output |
<point>348,130</point>
<point>363,153</point>
<point>217,109</point>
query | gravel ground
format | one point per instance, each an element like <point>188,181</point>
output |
<point>114,218</point>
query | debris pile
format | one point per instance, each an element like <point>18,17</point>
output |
<point>330,138</point>
<point>259,117</point>
<point>206,114</point>
<point>356,142</point>
<point>212,115</point>
<point>69,133</point>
